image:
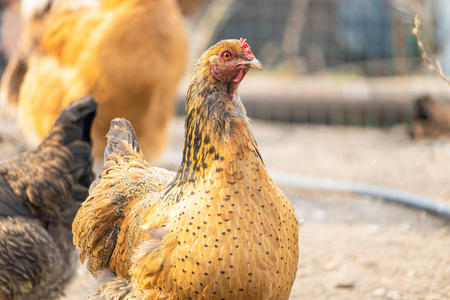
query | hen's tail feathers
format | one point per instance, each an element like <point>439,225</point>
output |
<point>73,130</point>
<point>122,140</point>
<point>101,219</point>
<point>77,120</point>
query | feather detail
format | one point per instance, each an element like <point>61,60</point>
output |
<point>42,190</point>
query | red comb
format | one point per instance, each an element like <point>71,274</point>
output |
<point>246,49</point>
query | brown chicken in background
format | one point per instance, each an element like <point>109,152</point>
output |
<point>217,228</point>
<point>129,55</point>
<point>431,118</point>
<point>40,193</point>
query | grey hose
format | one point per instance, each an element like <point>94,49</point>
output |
<point>329,184</point>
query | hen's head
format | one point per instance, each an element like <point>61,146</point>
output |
<point>230,60</point>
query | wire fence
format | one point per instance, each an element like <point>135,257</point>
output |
<point>365,41</point>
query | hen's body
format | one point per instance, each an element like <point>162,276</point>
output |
<point>218,228</point>
<point>40,193</point>
<point>129,55</point>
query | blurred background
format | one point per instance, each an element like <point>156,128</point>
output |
<point>336,62</point>
<point>346,113</point>
<point>345,62</point>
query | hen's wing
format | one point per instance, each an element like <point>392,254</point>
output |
<point>9,204</point>
<point>106,228</point>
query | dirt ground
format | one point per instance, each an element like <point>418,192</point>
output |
<point>351,247</point>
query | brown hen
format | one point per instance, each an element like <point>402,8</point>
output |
<point>40,193</point>
<point>431,118</point>
<point>217,228</point>
<point>129,55</point>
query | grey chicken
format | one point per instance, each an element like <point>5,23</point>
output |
<point>40,193</point>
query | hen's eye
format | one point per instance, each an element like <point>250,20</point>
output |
<point>226,55</point>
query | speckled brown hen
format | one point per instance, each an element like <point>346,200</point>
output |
<point>219,228</point>
<point>40,193</point>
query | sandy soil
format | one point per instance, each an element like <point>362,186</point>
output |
<point>352,247</point>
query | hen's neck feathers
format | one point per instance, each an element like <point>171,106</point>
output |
<point>217,131</point>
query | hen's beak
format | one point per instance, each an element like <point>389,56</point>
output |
<point>255,64</point>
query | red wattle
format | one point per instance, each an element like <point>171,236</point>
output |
<point>239,76</point>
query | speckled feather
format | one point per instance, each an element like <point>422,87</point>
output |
<point>41,190</point>
<point>219,228</point>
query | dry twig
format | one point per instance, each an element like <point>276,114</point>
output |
<point>436,69</point>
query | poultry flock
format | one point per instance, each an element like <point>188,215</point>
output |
<point>218,228</point>
<point>128,55</point>
<point>40,193</point>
